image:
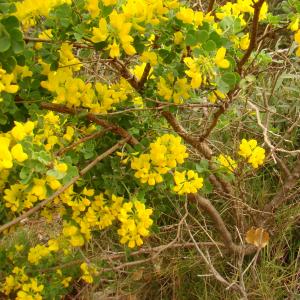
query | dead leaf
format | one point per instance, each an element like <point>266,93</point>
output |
<point>137,275</point>
<point>258,237</point>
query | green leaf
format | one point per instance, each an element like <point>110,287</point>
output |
<point>11,22</point>
<point>9,64</point>
<point>201,36</point>
<point>230,78</point>
<point>56,174</point>
<point>20,60</point>
<point>209,46</point>
<point>26,175</point>
<point>4,43</point>
<point>191,39</point>
<point>42,157</point>
<point>15,34</point>
<point>18,46</point>
<point>216,38</point>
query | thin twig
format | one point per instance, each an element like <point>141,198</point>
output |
<point>253,37</point>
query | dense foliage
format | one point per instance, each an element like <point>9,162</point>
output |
<point>123,119</point>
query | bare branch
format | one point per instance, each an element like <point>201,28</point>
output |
<point>220,225</point>
<point>289,184</point>
<point>253,37</point>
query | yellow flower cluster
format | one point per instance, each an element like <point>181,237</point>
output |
<point>26,288</point>
<point>73,235</point>
<point>20,196</point>
<point>165,153</point>
<point>10,148</point>
<point>240,9</point>
<point>37,253</point>
<point>74,92</point>
<point>89,214</point>
<point>188,16</point>
<point>187,182</point>
<point>88,271</point>
<point>254,154</point>
<point>227,162</point>
<point>134,14</point>
<point>99,213</point>
<point>7,82</point>
<point>67,58</point>
<point>15,153</point>
<point>136,221</point>
<point>64,281</point>
<point>27,10</point>
<point>120,30</point>
<point>179,90</point>
<point>51,134</point>
<point>202,68</point>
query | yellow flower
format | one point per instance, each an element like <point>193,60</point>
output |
<point>100,34</point>
<point>220,58</point>
<point>88,272</point>
<point>187,182</point>
<point>114,50</point>
<point>149,57</point>
<point>20,130</point>
<point>294,25</point>
<point>178,37</point>
<point>18,153</point>
<point>227,162</point>
<point>6,84</point>
<point>193,72</point>
<point>53,182</point>
<point>61,167</point>
<point>128,48</point>
<point>215,95</point>
<point>186,15</point>
<point>254,154</point>
<point>37,253</point>
<point>135,223</point>
<point>92,7</point>
<point>6,157</point>
<point>69,134</point>
<point>245,42</point>
<point>66,281</point>
<point>14,196</point>
<point>30,291</point>
<point>109,2</point>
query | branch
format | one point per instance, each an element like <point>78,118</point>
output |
<point>65,187</point>
<point>126,74</point>
<point>220,225</point>
<point>253,38</point>
<point>187,137</point>
<point>288,185</point>
<point>214,122</point>
<point>93,118</point>
<point>210,266</point>
<point>210,6</point>
<point>144,76</point>
<point>49,41</point>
